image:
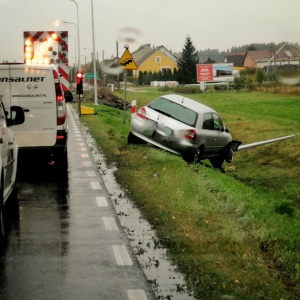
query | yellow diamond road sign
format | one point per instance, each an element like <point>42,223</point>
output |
<point>127,61</point>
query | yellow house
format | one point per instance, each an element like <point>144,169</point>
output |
<point>154,60</point>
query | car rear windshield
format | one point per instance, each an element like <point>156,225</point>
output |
<point>175,111</point>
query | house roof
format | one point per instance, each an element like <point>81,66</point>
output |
<point>141,52</point>
<point>144,57</point>
<point>282,55</point>
<point>168,53</point>
<point>260,55</point>
<point>145,51</point>
<point>237,58</point>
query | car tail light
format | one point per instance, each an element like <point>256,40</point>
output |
<point>61,110</point>
<point>190,134</point>
<point>142,113</point>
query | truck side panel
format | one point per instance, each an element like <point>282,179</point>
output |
<point>34,89</point>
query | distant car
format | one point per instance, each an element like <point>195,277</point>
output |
<point>183,126</point>
<point>8,156</point>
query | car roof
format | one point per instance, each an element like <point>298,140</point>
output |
<point>189,103</point>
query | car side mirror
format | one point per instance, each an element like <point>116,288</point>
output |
<point>225,129</point>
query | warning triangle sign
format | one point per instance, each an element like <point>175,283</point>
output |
<point>127,61</point>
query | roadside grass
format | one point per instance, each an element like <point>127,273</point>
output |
<point>233,234</point>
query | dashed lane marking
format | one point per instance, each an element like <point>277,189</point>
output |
<point>86,163</point>
<point>110,224</point>
<point>122,256</point>
<point>91,173</point>
<point>101,201</point>
<point>136,295</point>
<point>95,185</point>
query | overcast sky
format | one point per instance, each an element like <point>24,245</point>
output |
<point>215,24</point>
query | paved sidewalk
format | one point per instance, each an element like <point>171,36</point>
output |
<point>103,263</point>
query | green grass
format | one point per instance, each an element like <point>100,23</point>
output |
<point>234,234</point>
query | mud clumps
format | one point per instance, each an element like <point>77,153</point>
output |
<point>106,97</point>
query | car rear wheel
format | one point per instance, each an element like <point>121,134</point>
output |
<point>195,157</point>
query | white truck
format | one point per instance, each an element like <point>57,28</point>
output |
<point>37,88</point>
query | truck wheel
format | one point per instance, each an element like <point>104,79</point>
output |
<point>61,159</point>
<point>64,159</point>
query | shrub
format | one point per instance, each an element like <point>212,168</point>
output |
<point>188,89</point>
<point>285,208</point>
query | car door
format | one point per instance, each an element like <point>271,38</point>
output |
<point>8,152</point>
<point>221,137</point>
<point>215,138</point>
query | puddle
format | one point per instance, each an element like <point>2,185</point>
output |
<point>166,282</point>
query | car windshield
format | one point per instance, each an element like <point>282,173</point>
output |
<point>175,111</point>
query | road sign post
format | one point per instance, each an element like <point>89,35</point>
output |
<point>128,63</point>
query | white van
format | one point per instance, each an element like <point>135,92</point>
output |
<point>38,90</point>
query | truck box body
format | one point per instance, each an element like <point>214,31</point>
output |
<point>37,89</point>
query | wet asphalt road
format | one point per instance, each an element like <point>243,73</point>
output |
<point>64,240</point>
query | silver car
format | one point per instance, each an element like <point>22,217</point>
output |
<point>183,126</point>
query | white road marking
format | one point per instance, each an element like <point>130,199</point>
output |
<point>95,185</point>
<point>86,163</point>
<point>110,224</point>
<point>136,295</point>
<point>122,255</point>
<point>84,155</point>
<point>101,201</point>
<point>82,149</point>
<point>90,173</point>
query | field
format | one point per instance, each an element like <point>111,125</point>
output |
<point>235,235</point>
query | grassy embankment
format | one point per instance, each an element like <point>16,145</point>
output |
<point>234,234</point>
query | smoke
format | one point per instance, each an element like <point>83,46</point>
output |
<point>129,36</point>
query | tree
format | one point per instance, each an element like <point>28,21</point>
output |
<point>187,63</point>
<point>209,61</point>
<point>251,48</point>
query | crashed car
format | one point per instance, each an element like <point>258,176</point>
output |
<point>186,127</point>
<point>183,126</point>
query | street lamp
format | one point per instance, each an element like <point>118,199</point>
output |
<point>94,59</point>
<point>78,39</point>
<point>77,43</point>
